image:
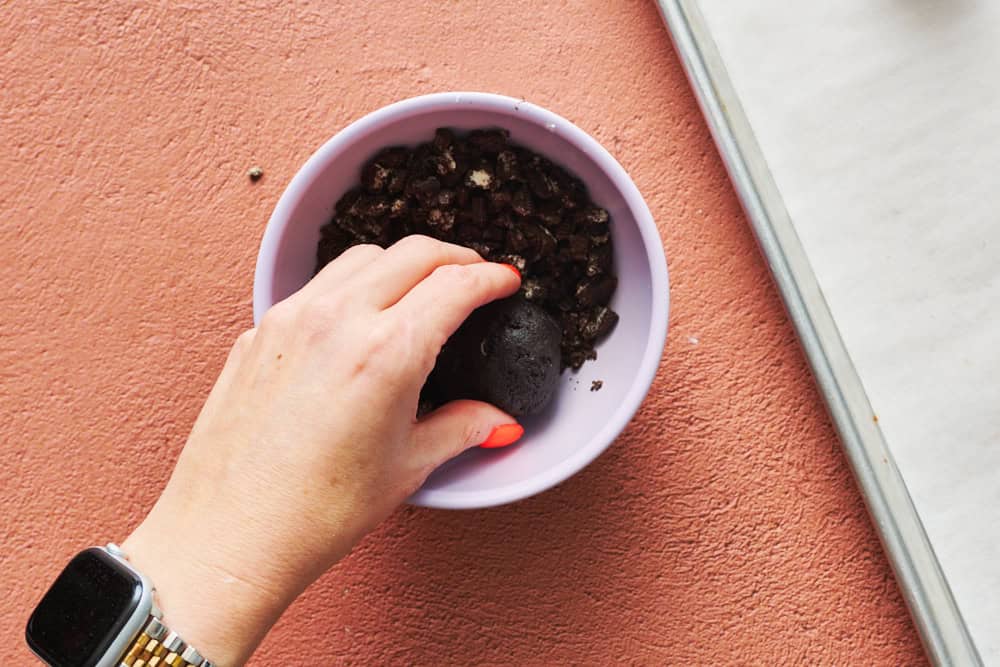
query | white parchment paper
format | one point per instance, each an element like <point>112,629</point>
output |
<point>880,121</point>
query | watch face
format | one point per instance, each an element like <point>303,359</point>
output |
<point>84,610</point>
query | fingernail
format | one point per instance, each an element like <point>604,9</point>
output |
<point>514,269</point>
<point>504,435</point>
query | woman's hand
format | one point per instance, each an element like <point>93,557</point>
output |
<point>310,438</point>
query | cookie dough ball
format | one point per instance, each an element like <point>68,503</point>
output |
<point>506,353</point>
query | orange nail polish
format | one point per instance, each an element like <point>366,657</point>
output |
<point>504,435</point>
<point>514,269</point>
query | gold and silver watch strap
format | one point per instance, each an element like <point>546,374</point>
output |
<point>158,646</point>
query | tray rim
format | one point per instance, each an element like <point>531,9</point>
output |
<point>944,633</point>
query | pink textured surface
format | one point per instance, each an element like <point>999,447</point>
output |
<point>723,527</point>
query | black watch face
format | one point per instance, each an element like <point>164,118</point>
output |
<point>84,610</point>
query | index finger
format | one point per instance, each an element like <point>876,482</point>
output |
<point>405,263</point>
<point>445,298</point>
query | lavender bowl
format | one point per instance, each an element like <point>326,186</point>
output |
<point>580,423</point>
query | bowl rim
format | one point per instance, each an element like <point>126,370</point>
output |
<point>652,244</point>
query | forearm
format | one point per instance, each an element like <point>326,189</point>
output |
<point>223,612</point>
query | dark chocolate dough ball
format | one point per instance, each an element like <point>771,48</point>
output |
<point>506,353</point>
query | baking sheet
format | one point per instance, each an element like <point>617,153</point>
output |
<point>863,131</point>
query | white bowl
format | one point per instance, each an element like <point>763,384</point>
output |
<point>579,424</point>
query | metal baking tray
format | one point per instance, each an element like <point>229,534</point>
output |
<point>939,622</point>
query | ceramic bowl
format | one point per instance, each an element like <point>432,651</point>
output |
<point>579,424</point>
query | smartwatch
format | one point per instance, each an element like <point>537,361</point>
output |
<point>100,612</point>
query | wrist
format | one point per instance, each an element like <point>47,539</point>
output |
<point>204,596</point>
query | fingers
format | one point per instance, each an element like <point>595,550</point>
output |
<point>405,264</point>
<point>442,300</point>
<point>348,265</point>
<point>459,425</point>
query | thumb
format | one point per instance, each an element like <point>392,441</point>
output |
<point>459,425</point>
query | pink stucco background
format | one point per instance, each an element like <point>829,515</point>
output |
<point>723,527</point>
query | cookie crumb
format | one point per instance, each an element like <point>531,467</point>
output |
<point>480,178</point>
<point>596,385</point>
<point>255,173</point>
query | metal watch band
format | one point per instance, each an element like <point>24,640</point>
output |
<point>158,646</point>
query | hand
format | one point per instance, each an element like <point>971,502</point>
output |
<point>309,438</point>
